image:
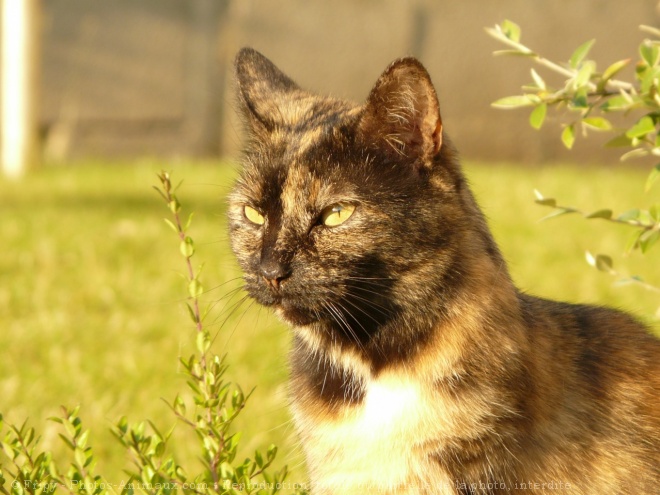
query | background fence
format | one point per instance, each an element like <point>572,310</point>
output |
<point>153,77</point>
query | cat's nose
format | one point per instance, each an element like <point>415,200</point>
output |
<point>274,273</point>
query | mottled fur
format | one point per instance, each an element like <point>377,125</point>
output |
<point>417,367</point>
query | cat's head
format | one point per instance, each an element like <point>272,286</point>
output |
<point>345,215</point>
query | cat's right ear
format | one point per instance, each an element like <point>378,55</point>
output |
<point>263,91</point>
<point>402,115</point>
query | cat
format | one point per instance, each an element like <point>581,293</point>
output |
<point>417,367</point>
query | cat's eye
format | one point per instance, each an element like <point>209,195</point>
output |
<point>253,215</point>
<point>337,214</point>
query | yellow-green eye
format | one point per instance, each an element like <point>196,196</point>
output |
<point>337,214</point>
<point>253,215</point>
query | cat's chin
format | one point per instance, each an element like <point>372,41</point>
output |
<point>293,315</point>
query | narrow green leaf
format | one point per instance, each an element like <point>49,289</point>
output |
<point>271,452</point>
<point>654,212</point>
<point>598,123</point>
<point>636,153</point>
<point>606,214</point>
<point>195,288</point>
<point>193,386</point>
<point>82,440</point>
<point>650,29</point>
<point>558,212</point>
<point>515,53</point>
<point>619,141</point>
<point>9,450</point>
<point>28,437</point>
<point>617,103</point>
<point>537,116</point>
<point>613,69</point>
<point>258,459</point>
<point>629,215</point>
<point>179,406</point>
<point>538,80</point>
<point>511,30</point>
<point>591,259</point>
<point>601,262</point>
<point>584,74</point>
<point>148,474</point>
<point>546,202</point>
<point>513,102</point>
<point>90,459</point>
<point>159,450</point>
<point>70,429</point>
<point>633,241</point>
<point>187,247</point>
<point>171,224</point>
<point>641,128</point>
<point>192,314</point>
<point>203,342</point>
<point>580,100</point>
<point>129,487</point>
<point>580,53</point>
<point>653,176</point>
<point>174,205</point>
<point>66,440</point>
<point>122,425</point>
<point>189,221</point>
<point>604,263</point>
<point>159,191</point>
<point>648,239</point>
<point>568,136</point>
<point>649,53</point>
<point>649,80</point>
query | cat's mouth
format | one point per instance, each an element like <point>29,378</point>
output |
<point>286,306</point>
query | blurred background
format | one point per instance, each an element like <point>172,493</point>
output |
<point>110,92</point>
<point>154,77</point>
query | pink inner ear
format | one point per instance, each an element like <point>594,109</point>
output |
<point>402,114</point>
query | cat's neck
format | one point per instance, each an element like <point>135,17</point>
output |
<point>428,336</point>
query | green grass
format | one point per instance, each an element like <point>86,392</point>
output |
<point>91,292</point>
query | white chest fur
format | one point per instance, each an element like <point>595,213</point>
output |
<point>368,449</point>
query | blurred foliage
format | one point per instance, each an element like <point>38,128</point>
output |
<point>590,96</point>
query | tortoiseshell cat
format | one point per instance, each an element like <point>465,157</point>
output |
<point>417,367</point>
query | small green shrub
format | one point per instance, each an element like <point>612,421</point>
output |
<point>209,411</point>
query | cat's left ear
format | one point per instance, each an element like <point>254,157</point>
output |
<point>264,91</point>
<point>402,114</point>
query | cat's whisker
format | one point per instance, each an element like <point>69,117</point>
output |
<point>227,299</point>
<point>363,311</point>
<point>372,305</point>
<point>383,310</point>
<point>370,278</point>
<point>343,323</point>
<point>366,332</point>
<point>229,281</point>
<point>233,310</point>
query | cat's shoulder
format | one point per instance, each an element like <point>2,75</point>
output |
<point>601,340</point>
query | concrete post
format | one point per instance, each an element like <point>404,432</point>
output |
<point>18,121</point>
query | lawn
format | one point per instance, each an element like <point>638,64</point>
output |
<point>91,292</point>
